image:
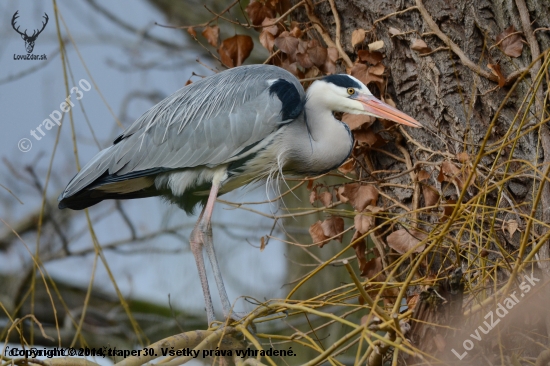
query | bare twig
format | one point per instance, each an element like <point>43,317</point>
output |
<point>434,51</point>
<point>343,54</point>
<point>393,14</point>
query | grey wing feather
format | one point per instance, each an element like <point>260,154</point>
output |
<point>206,123</point>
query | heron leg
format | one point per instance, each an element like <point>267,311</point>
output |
<point>196,242</point>
<point>209,246</point>
<point>202,236</point>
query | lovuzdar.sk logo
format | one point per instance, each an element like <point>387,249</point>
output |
<point>29,40</point>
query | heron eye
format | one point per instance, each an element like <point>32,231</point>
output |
<point>351,91</point>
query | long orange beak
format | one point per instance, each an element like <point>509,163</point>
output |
<point>379,109</point>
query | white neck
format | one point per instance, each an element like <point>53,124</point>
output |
<point>322,144</point>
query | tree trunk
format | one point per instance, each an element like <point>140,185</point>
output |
<point>452,91</point>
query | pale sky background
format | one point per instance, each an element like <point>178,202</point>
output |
<point>165,266</point>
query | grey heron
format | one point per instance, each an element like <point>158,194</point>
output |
<point>222,132</point>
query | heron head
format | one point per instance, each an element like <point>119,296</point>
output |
<point>344,93</point>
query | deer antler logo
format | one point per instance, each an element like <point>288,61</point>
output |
<point>29,40</point>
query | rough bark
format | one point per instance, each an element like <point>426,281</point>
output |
<point>453,93</point>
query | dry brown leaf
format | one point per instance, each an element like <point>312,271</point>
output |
<point>304,60</point>
<point>373,270</point>
<point>375,46</point>
<point>448,209</point>
<point>333,227</point>
<point>374,209</point>
<point>360,247</point>
<point>259,10</point>
<point>233,51</point>
<point>268,34</point>
<point>293,68</point>
<point>286,43</point>
<point>325,198</point>
<point>355,121</point>
<point>262,244</point>
<point>368,136</point>
<point>511,46</point>
<point>448,172</point>
<point>313,196</point>
<point>296,32</point>
<point>390,102</point>
<point>423,175</point>
<point>412,301</point>
<point>404,240</point>
<point>361,72</point>
<point>463,157</point>
<point>347,167</point>
<point>451,173</point>
<point>340,194</point>
<point>394,31</point>
<point>420,46</point>
<point>282,6</point>
<point>377,70</point>
<point>360,196</point>
<point>511,226</point>
<point>431,195</point>
<point>302,46</point>
<point>212,35</point>
<point>333,54</point>
<point>363,223</point>
<point>372,58</point>
<point>312,72</point>
<point>357,37</point>
<point>495,69</point>
<point>269,26</point>
<point>330,64</point>
<point>317,54</point>
<point>192,32</point>
<point>317,235</point>
<point>267,40</point>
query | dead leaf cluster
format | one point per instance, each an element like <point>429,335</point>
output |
<point>331,227</point>
<point>358,195</point>
<point>302,57</point>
